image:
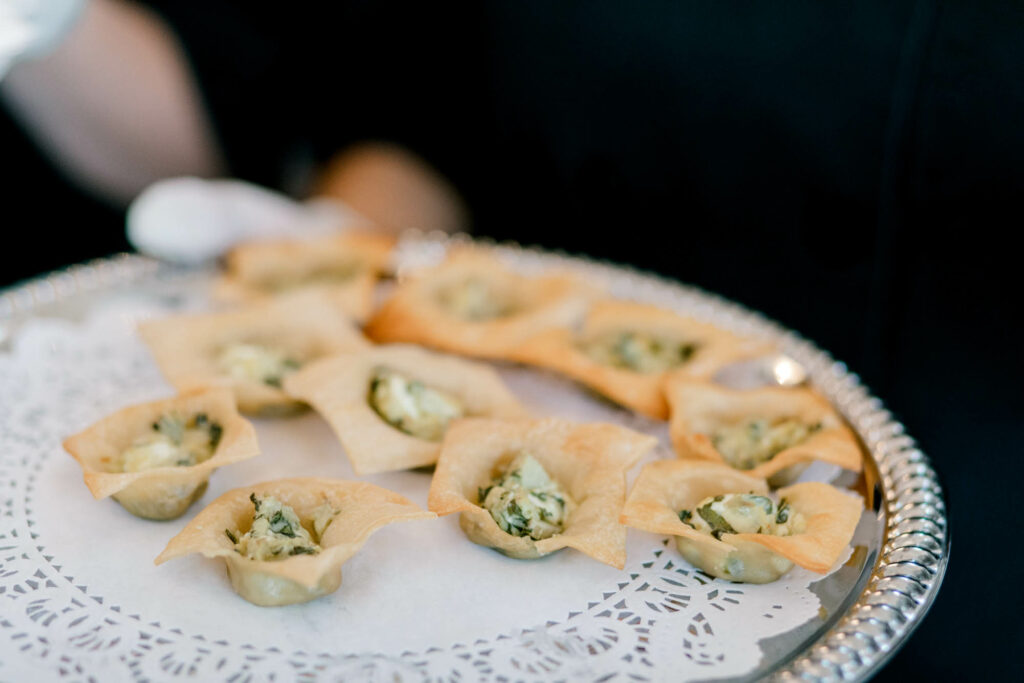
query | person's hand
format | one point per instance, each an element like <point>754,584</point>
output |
<point>191,220</point>
<point>31,28</point>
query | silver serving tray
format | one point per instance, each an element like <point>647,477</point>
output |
<point>869,608</point>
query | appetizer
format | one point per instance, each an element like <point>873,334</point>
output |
<point>285,541</point>
<point>472,305</point>
<point>345,266</point>
<point>770,432</point>
<point>728,525</point>
<point>251,350</point>
<point>391,405</point>
<point>155,458</point>
<point>625,350</point>
<point>530,487</point>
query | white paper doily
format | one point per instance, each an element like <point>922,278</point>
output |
<point>81,600</point>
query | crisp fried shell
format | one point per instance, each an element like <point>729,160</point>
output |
<point>163,492</point>
<point>416,313</point>
<point>563,350</point>
<point>344,266</point>
<point>589,460</point>
<point>666,487</point>
<point>339,387</point>
<point>304,324</point>
<point>699,409</point>
<point>362,508</point>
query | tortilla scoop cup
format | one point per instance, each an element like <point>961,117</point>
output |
<point>163,492</point>
<point>666,487</point>
<point>699,409</point>
<point>588,460</point>
<point>362,509</point>
<point>306,325</point>
<point>338,389</point>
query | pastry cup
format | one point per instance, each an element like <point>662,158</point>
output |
<point>362,509</point>
<point>666,487</point>
<point>589,460</point>
<point>415,313</point>
<point>305,324</point>
<point>560,350</point>
<point>698,409</point>
<point>163,492</point>
<point>256,270</point>
<point>338,389</point>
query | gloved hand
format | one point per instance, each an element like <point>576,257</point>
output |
<point>31,28</point>
<point>191,220</point>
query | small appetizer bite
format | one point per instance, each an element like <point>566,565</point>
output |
<point>728,525</point>
<point>251,350</point>
<point>391,405</point>
<point>345,266</point>
<point>473,305</point>
<point>771,432</point>
<point>625,350</point>
<point>285,541</point>
<point>155,458</point>
<point>530,487</point>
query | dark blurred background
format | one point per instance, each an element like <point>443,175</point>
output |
<point>852,170</point>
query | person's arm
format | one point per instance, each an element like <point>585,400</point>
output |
<point>115,104</point>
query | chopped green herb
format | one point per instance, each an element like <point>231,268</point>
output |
<point>231,536</point>
<point>718,524</point>
<point>280,525</point>
<point>482,493</point>
<point>171,427</point>
<point>783,516</point>
<point>216,432</point>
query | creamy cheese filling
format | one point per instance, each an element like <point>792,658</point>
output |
<point>525,501</point>
<point>475,299</point>
<point>747,445</point>
<point>174,441</point>
<point>743,513</point>
<point>411,406</point>
<point>277,533</point>
<point>257,363</point>
<point>638,352</point>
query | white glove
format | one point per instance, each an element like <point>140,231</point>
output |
<point>31,28</point>
<point>191,220</point>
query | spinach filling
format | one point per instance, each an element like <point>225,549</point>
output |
<point>749,444</point>
<point>174,441</point>
<point>277,533</point>
<point>525,501</point>
<point>411,406</point>
<point>742,513</point>
<point>639,352</point>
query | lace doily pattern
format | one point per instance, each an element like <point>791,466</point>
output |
<point>661,620</point>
